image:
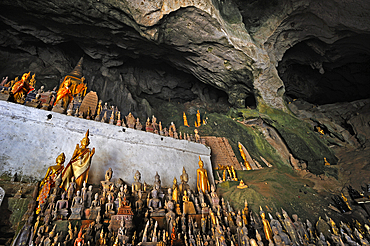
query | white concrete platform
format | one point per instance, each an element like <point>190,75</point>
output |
<point>30,142</point>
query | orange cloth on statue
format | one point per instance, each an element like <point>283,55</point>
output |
<point>65,91</point>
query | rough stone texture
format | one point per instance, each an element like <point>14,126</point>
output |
<point>139,50</point>
<point>344,123</point>
<point>30,143</point>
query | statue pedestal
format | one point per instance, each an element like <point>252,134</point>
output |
<point>161,220</point>
<point>76,213</point>
<point>117,220</point>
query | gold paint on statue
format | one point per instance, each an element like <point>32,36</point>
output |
<point>79,164</point>
<point>185,120</point>
<point>202,178</point>
<point>246,163</point>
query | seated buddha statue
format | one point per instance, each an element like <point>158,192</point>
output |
<point>22,87</point>
<point>136,185</point>
<point>61,207</point>
<point>64,93</point>
<point>184,181</point>
<point>188,206</point>
<point>77,206</point>
<point>155,205</point>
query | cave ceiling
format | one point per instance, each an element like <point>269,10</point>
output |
<point>139,51</point>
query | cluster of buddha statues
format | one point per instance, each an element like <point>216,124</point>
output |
<point>71,99</point>
<point>116,213</point>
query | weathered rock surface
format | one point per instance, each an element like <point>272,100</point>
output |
<point>177,49</point>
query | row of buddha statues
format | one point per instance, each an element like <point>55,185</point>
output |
<point>71,99</point>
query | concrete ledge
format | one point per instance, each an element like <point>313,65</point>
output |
<point>31,139</point>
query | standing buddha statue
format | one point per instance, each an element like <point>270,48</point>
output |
<point>202,177</point>
<point>185,120</point>
<point>266,225</point>
<point>79,165</point>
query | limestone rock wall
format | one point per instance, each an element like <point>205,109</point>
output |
<point>31,139</point>
<point>232,46</point>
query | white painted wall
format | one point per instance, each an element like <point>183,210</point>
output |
<point>30,142</point>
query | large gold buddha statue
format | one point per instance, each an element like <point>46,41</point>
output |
<point>79,165</point>
<point>22,87</point>
<point>64,93</point>
<point>202,178</point>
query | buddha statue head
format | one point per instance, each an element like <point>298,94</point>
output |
<point>60,159</point>
<point>200,163</point>
<point>137,176</point>
<point>85,141</point>
<point>184,176</point>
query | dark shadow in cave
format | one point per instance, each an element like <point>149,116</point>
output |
<point>327,73</point>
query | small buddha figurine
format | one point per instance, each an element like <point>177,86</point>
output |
<point>136,185</point>
<point>89,196</point>
<point>160,128</point>
<point>326,162</point>
<point>107,183</point>
<point>61,206</point>
<point>214,197</point>
<point>170,132</point>
<point>88,113</point>
<point>157,180</point>
<point>202,177</point>
<point>71,189</point>
<point>138,125</point>
<point>70,109</point>
<point>111,119</point>
<point>84,191</point>
<point>119,122</point>
<point>95,203</point>
<point>246,163</point>
<point>139,204</point>
<point>76,207</point>
<point>109,207</point>
<point>175,191</point>
<point>79,240</point>
<point>148,126</point>
<point>170,216</point>
<point>165,132</point>
<point>154,124</point>
<point>130,120</point>
<point>266,225</point>
<point>197,137</point>
<point>104,118</point>
<point>184,181</point>
<point>98,111</point>
<point>155,205</point>
<point>185,119</point>
<point>188,206</point>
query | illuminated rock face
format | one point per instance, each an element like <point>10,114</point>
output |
<point>31,140</point>
<point>139,50</point>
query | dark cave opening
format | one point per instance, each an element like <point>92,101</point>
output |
<point>327,73</point>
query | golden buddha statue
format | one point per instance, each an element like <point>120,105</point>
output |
<point>64,93</point>
<point>79,165</point>
<point>246,163</point>
<point>175,191</point>
<point>266,225</point>
<point>22,87</point>
<point>33,80</point>
<point>49,180</point>
<point>54,169</point>
<point>185,120</point>
<point>326,162</point>
<point>188,206</point>
<point>198,119</point>
<point>202,178</point>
